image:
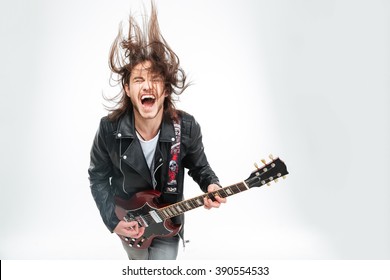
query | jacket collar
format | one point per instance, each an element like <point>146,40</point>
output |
<point>126,128</point>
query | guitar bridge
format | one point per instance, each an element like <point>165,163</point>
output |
<point>141,221</point>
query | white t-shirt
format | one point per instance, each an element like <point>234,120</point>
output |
<point>149,148</point>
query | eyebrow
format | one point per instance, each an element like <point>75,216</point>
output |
<point>156,75</point>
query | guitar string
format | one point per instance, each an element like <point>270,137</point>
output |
<point>148,217</point>
<point>180,205</point>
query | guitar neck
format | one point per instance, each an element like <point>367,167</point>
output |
<point>178,208</point>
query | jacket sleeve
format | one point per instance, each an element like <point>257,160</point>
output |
<point>100,171</point>
<point>196,160</point>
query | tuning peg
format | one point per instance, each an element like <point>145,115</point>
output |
<point>271,157</point>
<point>276,180</point>
<point>263,161</point>
<point>257,167</point>
<point>268,184</point>
<point>284,177</point>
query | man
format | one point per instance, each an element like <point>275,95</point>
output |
<point>132,150</point>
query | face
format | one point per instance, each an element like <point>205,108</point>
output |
<point>146,92</point>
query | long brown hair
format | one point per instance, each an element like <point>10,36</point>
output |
<point>140,45</point>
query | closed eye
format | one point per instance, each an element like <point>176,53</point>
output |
<point>157,79</point>
<point>138,79</point>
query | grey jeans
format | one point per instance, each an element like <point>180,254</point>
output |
<point>160,249</point>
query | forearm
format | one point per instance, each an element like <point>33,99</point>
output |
<point>204,176</point>
<point>104,199</point>
<point>100,171</point>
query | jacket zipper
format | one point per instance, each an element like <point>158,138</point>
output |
<point>120,166</point>
<point>154,173</point>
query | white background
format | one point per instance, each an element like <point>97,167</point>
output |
<point>307,81</point>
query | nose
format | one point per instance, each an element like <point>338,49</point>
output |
<point>147,85</point>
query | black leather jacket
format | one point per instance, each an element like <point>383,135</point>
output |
<point>118,166</point>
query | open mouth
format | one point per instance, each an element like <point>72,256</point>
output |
<point>148,100</point>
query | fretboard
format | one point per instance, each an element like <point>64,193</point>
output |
<point>189,204</point>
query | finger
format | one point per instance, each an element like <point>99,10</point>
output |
<point>128,225</point>
<point>140,233</point>
<point>133,224</point>
<point>133,234</point>
<point>206,203</point>
<point>220,199</point>
<point>130,230</point>
<point>212,203</point>
<point>215,204</point>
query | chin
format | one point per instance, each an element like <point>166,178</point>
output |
<point>149,115</point>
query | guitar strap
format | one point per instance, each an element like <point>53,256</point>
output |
<point>173,170</point>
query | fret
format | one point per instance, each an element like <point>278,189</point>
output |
<point>164,213</point>
<point>228,191</point>
<point>173,211</point>
<point>198,201</point>
<point>211,196</point>
<point>220,193</point>
<point>182,206</point>
<point>179,208</point>
<point>187,204</point>
<point>235,189</point>
<point>191,202</point>
<point>170,212</point>
<point>242,187</point>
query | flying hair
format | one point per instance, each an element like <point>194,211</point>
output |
<point>142,44</point>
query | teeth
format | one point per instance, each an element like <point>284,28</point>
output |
<point>147,96</point>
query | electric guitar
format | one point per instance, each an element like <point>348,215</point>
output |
<point>156,219</point>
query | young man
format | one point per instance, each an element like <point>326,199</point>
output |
<point>133,148</point>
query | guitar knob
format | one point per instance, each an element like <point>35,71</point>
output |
<point>139,244</point>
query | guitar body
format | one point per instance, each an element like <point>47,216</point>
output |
<point>143,207</point>
<point>136,208</point>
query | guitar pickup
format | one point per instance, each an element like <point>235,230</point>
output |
<point>155,217</point>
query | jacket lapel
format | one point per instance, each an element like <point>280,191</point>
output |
<point>131,151</point>
<point>167,133</point>
<point>130,148</point>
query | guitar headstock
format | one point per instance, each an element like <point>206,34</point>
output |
<point>271,171</point>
